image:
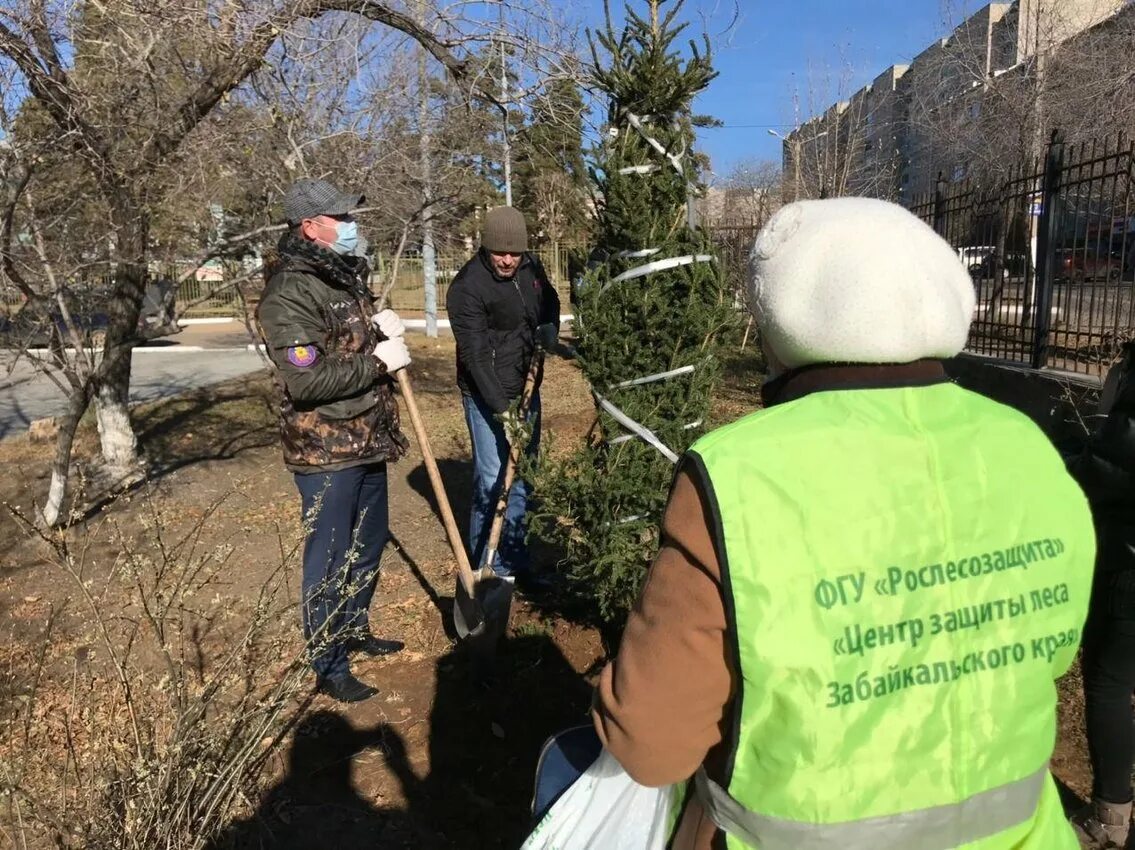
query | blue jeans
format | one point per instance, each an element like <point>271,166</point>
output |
<point>490,453</point>
<point>347,514</point>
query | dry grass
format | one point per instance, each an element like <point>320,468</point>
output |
<point>148,687</point>
<point>143,716</point>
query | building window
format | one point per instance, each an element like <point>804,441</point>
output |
<point>974,110</point>
<point>959,173</point>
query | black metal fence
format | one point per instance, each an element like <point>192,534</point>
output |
<point>1051,251</point>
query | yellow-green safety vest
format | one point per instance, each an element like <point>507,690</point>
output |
<point>906,573</point>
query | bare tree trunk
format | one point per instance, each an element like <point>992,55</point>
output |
<point>117,440</point>
<point>61,463</point>
<point>429,251</point>
<point>116,433</point>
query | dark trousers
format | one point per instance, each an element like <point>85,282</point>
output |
<point>347,518</point>
<point>1108,666</point>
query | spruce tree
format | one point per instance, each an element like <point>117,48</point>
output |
<point>652,303</point>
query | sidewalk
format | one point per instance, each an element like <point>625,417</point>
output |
<point>231,335</point>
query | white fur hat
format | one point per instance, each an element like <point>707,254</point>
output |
<point>856,280</point>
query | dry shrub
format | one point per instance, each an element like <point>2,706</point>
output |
<point>146,714</point>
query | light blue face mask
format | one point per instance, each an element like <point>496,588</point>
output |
<point>346,238</point>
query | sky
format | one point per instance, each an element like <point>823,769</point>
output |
<point>778,47</point>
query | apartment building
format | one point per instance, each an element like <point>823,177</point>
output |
<point>892,138</point>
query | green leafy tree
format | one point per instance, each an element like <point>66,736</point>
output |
<point>602,505</point>
<point>550,176</point>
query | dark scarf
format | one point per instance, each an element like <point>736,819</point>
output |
<point>335,268</point>
<point>820,377</point>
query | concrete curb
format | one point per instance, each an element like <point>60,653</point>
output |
<point>165,349</point>
<point>420,324</point>
<point>218,320</point>
<point>186,349</point>
<point>411,325</point>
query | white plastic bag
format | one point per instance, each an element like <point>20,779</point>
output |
<point>605,810</point>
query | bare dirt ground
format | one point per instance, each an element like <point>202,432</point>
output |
<point>433,761</point>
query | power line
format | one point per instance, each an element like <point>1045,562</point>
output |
<point>746,127</point>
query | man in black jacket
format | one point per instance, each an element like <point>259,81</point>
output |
<point>335,358</point>
<point>500,305</point>
<point>1106,471</point>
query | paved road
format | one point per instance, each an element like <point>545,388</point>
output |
<point>157,373</point>
<point>202,354</point>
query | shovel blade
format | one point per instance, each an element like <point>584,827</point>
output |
<point>484,616</point>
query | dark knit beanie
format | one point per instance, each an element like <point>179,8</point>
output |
<point>504,231</point>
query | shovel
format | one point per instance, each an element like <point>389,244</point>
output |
<point>491,592</point>
<point>477,621</point>
<point>472,617</point>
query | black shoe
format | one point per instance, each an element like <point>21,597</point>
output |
<point>375,646</point>
<point>344,687</point>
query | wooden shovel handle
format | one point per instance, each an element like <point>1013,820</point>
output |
<point>464,571</point>
<point>513,458</point>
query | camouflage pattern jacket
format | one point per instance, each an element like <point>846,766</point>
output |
<point>338,406</point>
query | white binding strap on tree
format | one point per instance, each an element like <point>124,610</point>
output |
<point>641,430</point>
<point>625,520</point>
<point>639,169</point>
<point>637,255</point>
<point>650,379</point>
<point>675,159</point>
<point>658,266</point>
<point>626,438</point>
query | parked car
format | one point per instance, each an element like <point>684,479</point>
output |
<point>1082,265</point>
<point>980,260</point>
<point>973,256</point>
<point>27,327</point>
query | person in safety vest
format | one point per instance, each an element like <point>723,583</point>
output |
<point>865,591</point>
<point>1106,471</point>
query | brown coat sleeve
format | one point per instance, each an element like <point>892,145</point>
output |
<point>661,704</point>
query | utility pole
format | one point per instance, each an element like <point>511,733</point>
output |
<point>796,153</point>
<point>796,165</point>
<point>791,146</point>
<point>429,254</point>
<point>504,117</point>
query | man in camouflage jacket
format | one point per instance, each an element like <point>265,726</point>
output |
<point>335,358</point>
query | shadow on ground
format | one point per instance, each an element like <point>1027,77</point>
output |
<point>573,604</point>
<point>1072,802</point>
<point>475,792</point>
<point>457,478</point>
<point>214,423</point>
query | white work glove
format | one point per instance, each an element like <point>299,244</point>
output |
<point>548,335</point>
<point>393,353</point>
<point>388,324</point>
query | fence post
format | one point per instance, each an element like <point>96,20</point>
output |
<point>1050,215</point>
<point>940,206</point>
